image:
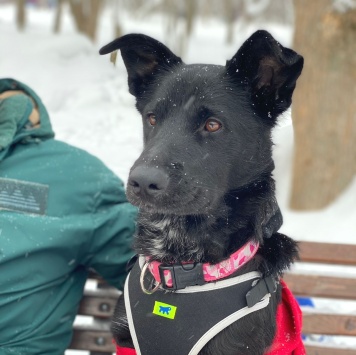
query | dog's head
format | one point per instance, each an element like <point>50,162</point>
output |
<point>206,128</point>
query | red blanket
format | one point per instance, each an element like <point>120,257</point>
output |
<point>288,340</point>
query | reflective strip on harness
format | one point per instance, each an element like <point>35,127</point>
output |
<point>182,322</point>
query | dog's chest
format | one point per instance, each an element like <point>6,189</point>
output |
<point>169,238</point>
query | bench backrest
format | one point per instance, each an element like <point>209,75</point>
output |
<point>99,305</point>
<point>317,279</point>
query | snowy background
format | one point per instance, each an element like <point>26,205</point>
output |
<point>90,106</point>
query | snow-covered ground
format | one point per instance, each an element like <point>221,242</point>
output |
<point>91,108</point>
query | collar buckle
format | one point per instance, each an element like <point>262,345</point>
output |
<point>182,275</point>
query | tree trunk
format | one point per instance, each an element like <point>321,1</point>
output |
<point>92,18</point>
<point>76,7</point>
<point>191,9</point>
<point>58,17</point>
<point>229,19</point>
<point>21,14</point>
<point>118,32</point>
<point>86,16</point>
<point>324,104</point>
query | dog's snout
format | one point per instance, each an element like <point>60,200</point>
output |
<point>148,180</point>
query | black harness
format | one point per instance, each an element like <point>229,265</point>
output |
<point>183,321</point>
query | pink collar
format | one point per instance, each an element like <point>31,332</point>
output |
<point>209,272</point>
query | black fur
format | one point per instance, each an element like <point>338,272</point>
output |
<point>202,195</point>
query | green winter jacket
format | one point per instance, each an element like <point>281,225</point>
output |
<point>62,211</point>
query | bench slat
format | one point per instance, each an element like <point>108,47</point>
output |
<point>329,253</point>
<point>99,303</point>
<point>329,323</point>
<point>320,350</point>
<point>92,340</point>
<point>321,286</point>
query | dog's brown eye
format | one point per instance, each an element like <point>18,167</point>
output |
<point>151,119</point>
<point>212,125</point>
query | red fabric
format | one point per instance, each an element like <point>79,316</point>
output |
<point>125,351</point>
<point>288,339</point>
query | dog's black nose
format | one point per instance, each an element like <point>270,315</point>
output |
<point>148,180</point>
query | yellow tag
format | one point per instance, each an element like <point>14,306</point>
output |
<point>164,310</point>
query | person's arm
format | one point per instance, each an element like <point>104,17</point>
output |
<point>114,223</point>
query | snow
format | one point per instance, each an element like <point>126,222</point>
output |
<point>91,108</point>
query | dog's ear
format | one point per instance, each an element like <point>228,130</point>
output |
<point>144,58</point>
<point>270,70</point>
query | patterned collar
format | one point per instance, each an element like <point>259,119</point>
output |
<point>179,276</point>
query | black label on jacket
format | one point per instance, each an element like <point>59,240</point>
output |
<point>23,196</point>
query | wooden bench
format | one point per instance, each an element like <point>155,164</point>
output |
<point>99,304</point>
<point>317,282</point>
<point>312,282</point>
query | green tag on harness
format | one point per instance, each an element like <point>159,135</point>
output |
<point>164,310</point>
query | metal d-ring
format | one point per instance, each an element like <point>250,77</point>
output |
<point>142,277</point>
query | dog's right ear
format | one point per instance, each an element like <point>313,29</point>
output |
<point>144,58</point>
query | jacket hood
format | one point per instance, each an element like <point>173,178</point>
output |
<point>15,127</point>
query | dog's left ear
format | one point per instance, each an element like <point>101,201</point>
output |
<point>144,57</point>
<point>270,70</point>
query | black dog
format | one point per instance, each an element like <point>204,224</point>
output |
<point>203,182</point>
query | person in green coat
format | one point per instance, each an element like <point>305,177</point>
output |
<point>62,211</point>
